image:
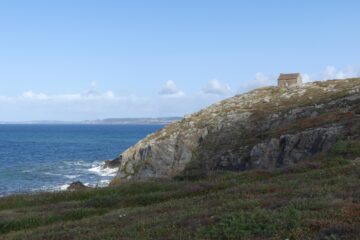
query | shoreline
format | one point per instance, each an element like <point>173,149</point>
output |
<point>101,170</point>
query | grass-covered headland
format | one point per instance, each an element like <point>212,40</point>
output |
<point>316,199</point>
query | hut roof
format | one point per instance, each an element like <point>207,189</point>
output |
<point>289,76</point>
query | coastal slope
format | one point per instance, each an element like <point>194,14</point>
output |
<point>266,128</point>
<point>301,151</point>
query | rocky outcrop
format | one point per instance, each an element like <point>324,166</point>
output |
<point>113,163</point>
<point>266,128</point>
<point>291,148</point>
<point>77,186</point>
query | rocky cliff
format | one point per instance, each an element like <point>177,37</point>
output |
<point>266,128</point>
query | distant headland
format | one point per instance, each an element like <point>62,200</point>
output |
<point>106,121</point>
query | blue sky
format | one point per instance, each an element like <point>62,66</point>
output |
<point>76,60</point>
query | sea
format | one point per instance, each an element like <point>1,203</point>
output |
<point>35,157</point>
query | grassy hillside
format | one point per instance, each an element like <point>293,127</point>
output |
<point>317,199</point>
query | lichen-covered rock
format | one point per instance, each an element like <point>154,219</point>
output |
<point>265,128</point>
<point>290,148</point>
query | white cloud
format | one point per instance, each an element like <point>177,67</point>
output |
<point>92,94</point>
<point>216,87</point>
<point>170,89</point>
<point>81,107</point>
<point>331,72</point>
<point>306,78</point>
<point>171,101</point>
<point>260,80</point>
<point>109,95</point>
<point>96,104</point>
<point>35,96</point>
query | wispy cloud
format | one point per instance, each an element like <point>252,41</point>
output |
<point>332,72</point>
<point>306,78</point>
<point>260,80</point>
<point>92,94</point>
<point>216,87</point>
<point>39,97</point>
<point>35,96</point>
<point>170,89</point>
<point>94,103</point>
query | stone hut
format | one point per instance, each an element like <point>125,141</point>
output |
<point>289,80</point>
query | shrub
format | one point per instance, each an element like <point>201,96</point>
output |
<point>80,213</point>
<point>347,148</point>
<point>243,224</point>
<point>7,226</point>
<point>256,222</point>
<point>102,201</point>
<point>336,161</point>
<point>36,221</point>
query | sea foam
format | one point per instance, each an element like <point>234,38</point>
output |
<point>102,171</point>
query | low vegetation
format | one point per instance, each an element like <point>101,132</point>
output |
<point>316,199</point>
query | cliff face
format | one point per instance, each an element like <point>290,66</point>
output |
<point>266,128</point>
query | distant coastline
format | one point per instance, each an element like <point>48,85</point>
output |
<point>106,121</point>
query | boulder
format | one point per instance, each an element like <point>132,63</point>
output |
<point>113,163</point>
<point>76,186</point>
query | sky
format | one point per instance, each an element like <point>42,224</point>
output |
<point>77,60</point>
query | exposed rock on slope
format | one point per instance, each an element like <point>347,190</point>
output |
<point>76,186</point>
<point>265,128</point>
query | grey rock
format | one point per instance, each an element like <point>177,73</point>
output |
<point>292,148</point>
<point>113,163</point>
<point>77,186</point>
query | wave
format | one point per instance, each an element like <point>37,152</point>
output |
<point>71,176</point>
<point>58,177</point>
<point>102,171</point>
<point>53,174</point>
<point>78,163</point>
<point>62,187</point>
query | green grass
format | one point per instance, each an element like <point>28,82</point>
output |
<point>347,148</point>
<point>316,199</point>
<point>259,221</point>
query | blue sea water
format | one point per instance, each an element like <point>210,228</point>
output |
<point>49,157</point>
